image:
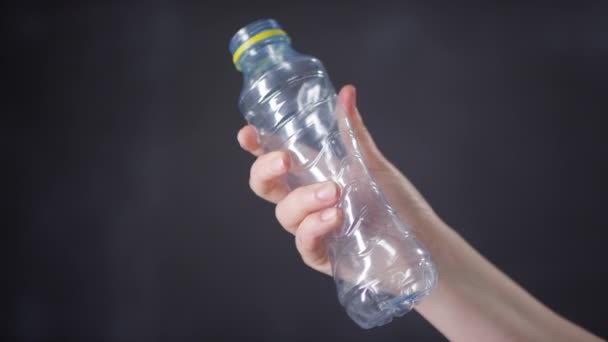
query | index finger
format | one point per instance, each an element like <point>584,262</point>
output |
<point>248,139</point>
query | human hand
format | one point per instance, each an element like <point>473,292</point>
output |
<point>308,212</point>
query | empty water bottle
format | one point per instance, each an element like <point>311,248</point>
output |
<point>381,271</point>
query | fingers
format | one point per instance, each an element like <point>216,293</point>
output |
<point>301,202</point>
<point>248,139</point>
<point>265,176</point>
<point>347,100</point>
<point>310,235</point>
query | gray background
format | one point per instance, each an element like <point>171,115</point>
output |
<point>134,218</point>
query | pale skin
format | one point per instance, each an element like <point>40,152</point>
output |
<point>473,300</point>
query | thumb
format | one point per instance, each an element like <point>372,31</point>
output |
<point>347,99</point>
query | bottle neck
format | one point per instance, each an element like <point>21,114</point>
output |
<point>261,57</point>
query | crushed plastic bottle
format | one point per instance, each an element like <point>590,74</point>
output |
<point>381,271</point>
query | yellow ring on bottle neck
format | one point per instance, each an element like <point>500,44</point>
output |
<point>253,40</point>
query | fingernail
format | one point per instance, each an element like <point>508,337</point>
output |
<point>238,136</point>
<point>326,192</point>
<point>328,214</point>
<point>278,165</point>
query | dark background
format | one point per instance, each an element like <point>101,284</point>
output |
<point>134,218</point>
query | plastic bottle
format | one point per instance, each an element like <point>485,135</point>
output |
<point>381,271</point>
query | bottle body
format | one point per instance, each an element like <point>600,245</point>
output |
<point>381,271</point>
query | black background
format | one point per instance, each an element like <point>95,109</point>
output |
<point>134,218</point>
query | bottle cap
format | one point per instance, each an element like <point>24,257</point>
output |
<point>255,32</point>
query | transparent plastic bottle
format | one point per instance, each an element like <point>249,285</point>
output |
<point>381,271</point>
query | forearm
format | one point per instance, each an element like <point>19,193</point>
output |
<point>474,301</point>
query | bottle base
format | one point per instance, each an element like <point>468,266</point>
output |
<point>370,309</point>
